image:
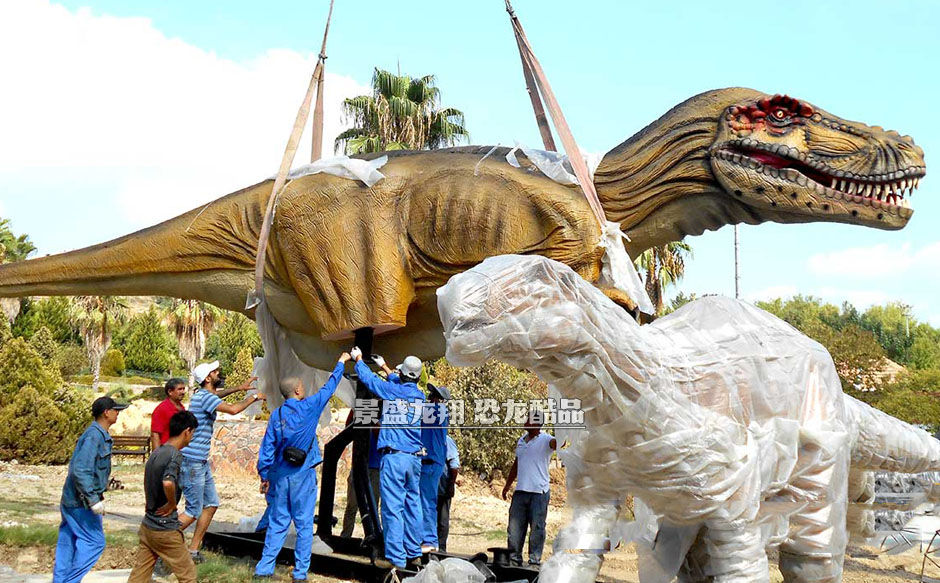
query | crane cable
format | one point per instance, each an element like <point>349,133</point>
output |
<point>315,85</point>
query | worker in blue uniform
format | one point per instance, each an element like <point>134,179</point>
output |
<point>402,450</point>
<point>287,465</point>
<point>81,533</point>
<point>434,423</point>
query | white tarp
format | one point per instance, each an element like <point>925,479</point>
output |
<point>345,167</point>
<point>281,362</point>
<point>555,165</point>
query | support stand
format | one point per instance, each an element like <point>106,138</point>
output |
<point>358,435</point>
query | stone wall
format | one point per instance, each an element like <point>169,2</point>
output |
<point>235,445</point>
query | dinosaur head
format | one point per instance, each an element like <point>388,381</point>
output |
<point>737,155</point>
<point>791,160</point>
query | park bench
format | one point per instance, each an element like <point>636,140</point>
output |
<point>131,445</point>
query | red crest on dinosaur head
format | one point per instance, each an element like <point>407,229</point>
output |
<point>775,114</point>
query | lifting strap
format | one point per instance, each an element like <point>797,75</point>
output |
<point>316,80</point>
<point>544,129</point>
<point>533,71</point>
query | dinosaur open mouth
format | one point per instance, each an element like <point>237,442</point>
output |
<point>782,161</point>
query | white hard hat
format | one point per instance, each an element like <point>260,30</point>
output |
<point>203,370</point>
<point>410,367</point>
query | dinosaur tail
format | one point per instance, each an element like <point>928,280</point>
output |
<point>174,258</point>
<point>889,444</point>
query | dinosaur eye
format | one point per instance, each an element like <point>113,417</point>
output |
<point>779,114</point>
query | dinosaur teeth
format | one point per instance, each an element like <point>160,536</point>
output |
<point>834,183</point>
<point>851,188</point>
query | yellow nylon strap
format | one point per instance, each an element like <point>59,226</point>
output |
<point>288,159</point>
<point>561,125</point>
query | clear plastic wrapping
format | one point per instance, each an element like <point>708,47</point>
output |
<point>723,419</point>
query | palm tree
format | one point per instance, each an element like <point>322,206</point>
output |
<point>192,321</point>
<point>401,114</point>
<point>12,248</point>
<point>95,318</point>
<point>663,266</point>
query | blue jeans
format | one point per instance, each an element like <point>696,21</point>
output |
<point>198,486</point>
<point>399,479</point>
<point>528,509</point>
<point>81,542</point>
<point>430,482</point>
<point>295,497</point>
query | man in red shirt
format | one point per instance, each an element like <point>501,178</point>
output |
<point>175,390</point>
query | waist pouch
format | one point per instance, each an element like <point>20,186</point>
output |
<point>295,456</point>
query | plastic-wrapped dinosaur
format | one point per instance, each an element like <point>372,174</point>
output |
<point>344,256</point>
<point>725,420</point>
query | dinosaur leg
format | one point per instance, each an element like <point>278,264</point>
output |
<point>735,554</point>
<point>695,568</point>
<point>578,551</point>
<point>815,548</point>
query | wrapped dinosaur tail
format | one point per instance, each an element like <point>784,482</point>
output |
<point>889,444</point>
<point>175,258</point>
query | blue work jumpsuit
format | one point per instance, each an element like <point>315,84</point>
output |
<point>293,424</point>
<point>81,533</point>
<point>434,438</point>
<point>400,468</point>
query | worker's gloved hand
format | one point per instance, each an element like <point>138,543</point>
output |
<point>98,507</point>
<point>378,360</point>
<point>355,353</point>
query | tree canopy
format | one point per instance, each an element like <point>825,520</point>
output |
<point>403,113</point>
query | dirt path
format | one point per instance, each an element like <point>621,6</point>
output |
<point>30,495</point>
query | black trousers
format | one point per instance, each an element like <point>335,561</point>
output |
<point>443,520</point>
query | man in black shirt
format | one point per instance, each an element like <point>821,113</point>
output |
<point>160,534</point>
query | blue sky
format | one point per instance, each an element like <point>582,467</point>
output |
<point>125,113</point>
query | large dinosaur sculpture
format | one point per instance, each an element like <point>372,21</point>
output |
<point>344,256</point>
<point>724,419</point>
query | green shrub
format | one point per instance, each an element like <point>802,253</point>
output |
<point>112,363</point>
<point>41,417</point>
<point>5,333</point>
<point>241,372</point>
<point>487,450</point>
<point>147,345</point>
<point>34,430</point>
<point>54,313</point>
<point>228,338</point>
<point>75,403</point>
<point>44,344</point>
<point>21,365</point>
<point>71,359</point>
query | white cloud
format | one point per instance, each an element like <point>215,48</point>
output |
<point>877,261</point>
<point>174,125</point>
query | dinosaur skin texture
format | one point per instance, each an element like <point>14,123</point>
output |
<point>343,256</point>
